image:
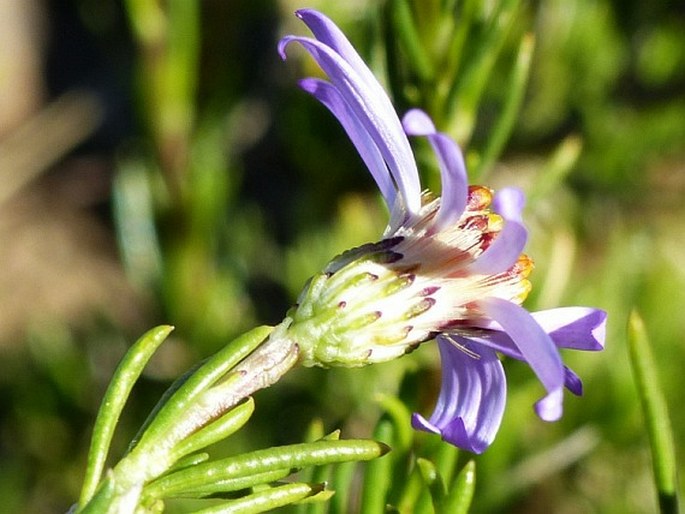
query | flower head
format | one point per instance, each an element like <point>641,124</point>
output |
<point>449,268</point>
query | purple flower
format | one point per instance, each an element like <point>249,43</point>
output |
<point>458,260</point>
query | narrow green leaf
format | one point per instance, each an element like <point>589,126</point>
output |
<point>320,475</point>
<point>229,487</point>
<point>409,39</point>
<point>216,431</point>
<point>269,499</point>
<point>341,482</point>
<point>452,67</point>
<point>318,499</point>
<point>467,90</point>
<point>133,210</point>
<point>182,62</point>
<point>378,475</point>
<point>315,431</point>
<point>557,168</point>
<point>147,20</point>
<point>285,457</point>
<point>655,412</point>
<point>411,492</point>
<point>125,376</point>
<point>316,474</point>
<point>416,498</point>
<point>101,500</point>
<point>401,417</point>
<point>181,394</point>
<point>190,460</point>
<point>505,124</point>
<point>432,479</point>
<point>460,495</point>
<point>445,458</point>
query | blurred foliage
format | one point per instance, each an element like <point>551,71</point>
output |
<point>212,188</point>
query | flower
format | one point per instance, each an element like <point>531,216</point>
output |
<point>448,268</point>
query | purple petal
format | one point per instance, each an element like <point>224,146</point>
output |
<point>509,203</point>
<point>330,35</point>
<point>329,96</point>
<point>502,343</point>
<point>580,328</point>
<point>417,123</point>
<point>549,408</point>
<point>452,167</point>
<point>573,382</point>
<point>472,397</point>
<point>577,328</point>
<point>537,349</point>
<point>505,250</point>
<point>374,111</point>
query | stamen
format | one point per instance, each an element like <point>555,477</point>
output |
<point>524,266</point>
<point>479,198</point>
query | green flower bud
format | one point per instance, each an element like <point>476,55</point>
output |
<point>363,308</point>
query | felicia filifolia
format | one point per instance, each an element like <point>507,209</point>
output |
<point>449,269</point>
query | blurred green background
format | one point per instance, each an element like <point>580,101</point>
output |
<point>158,164</point>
